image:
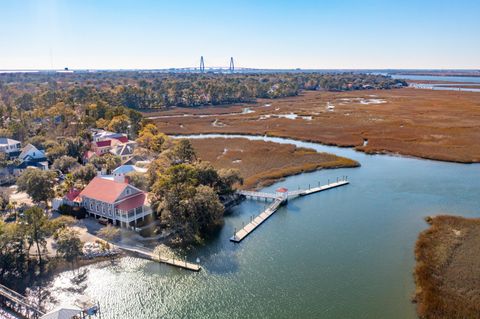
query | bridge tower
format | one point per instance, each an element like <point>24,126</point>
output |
<point>202,65</point>
<point>232,66</point>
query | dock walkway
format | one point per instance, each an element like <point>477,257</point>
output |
<point>257,221</point>
<point>145,253</point>
<point>19,303</point>
<point>303,192</point>
<point>278,199</point>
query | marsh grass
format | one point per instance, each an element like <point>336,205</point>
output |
<point>447,273</point>
<point>440,125</point>
<point>262,163</point>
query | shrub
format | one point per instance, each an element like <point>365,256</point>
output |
<point>75,211</point>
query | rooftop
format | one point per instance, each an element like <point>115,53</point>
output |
<point>104,190</point>
<point>8,141</point>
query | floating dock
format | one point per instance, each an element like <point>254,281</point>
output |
<point>318,189</point>
<point>164,260</point>
<point>278,198</point>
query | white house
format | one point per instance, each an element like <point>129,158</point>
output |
<point>101,135</point>
<point>9,146</point>
<point>120,172</point>
<point>31,153</point>
<point>31,157</point>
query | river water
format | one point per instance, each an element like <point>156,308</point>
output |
<point>343,253</point>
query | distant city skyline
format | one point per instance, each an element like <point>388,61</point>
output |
<point>348,34</point>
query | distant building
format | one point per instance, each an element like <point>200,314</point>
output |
<point>101,135</point>
<point>101,147</point>
<point>124,150</point>
<point>122,204</point>
<point>10,147</point>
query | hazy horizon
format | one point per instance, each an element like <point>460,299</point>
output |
<point>348,35</point>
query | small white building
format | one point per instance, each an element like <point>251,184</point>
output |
<point>120,172</point>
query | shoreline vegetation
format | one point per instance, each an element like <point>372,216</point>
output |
<point>264,163</point>
<point>447,272</point>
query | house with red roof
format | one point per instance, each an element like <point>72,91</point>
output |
<point>101,147</point>
<point>119,202</point>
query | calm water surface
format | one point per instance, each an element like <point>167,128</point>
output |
<point>343,253</point>
<point>456,79</point>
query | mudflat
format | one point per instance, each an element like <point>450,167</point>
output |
<point>262,163</point>
<point>447,272</point>
<point>440,125</point>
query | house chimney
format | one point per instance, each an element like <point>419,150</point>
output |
<point>127,179</point>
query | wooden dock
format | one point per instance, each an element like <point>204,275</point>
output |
<point>318,189</point>
<point>18,303</point>
<point>278,199</point>
<point>257,221</point>
<point>148,254</point>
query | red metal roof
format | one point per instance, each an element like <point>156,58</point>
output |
<point>122,139</point>
<point>282,190</point>
<point>104,143</point>
<point>103,190</point>
<point>132,202</point>
<point>72,194</point>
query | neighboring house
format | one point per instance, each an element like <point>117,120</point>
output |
<point>124,150</point>
<point>10,147</point>
<point>121,139</point>
<point>120,172</point>
<point>101,135</point>
<point>31,157</point>
<point>122,204</point>
<point>32,154</point>
<point>101,147</point>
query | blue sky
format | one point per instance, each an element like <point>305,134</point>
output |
<point>264,34</point>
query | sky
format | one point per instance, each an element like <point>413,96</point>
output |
<point>308,34</point>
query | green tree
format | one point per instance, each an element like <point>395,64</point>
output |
<point>85,173</point>
<point>13,253</point>
<point>228,178</point>
<point>138,179</point>
<point>38,184</point>
<point>65,164</point>
<point>183,152</point>
<point>38,229</point>
<point>119,124</point>
<point>69,245</point>
<point>111,162</point>
<point>56,151</point>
